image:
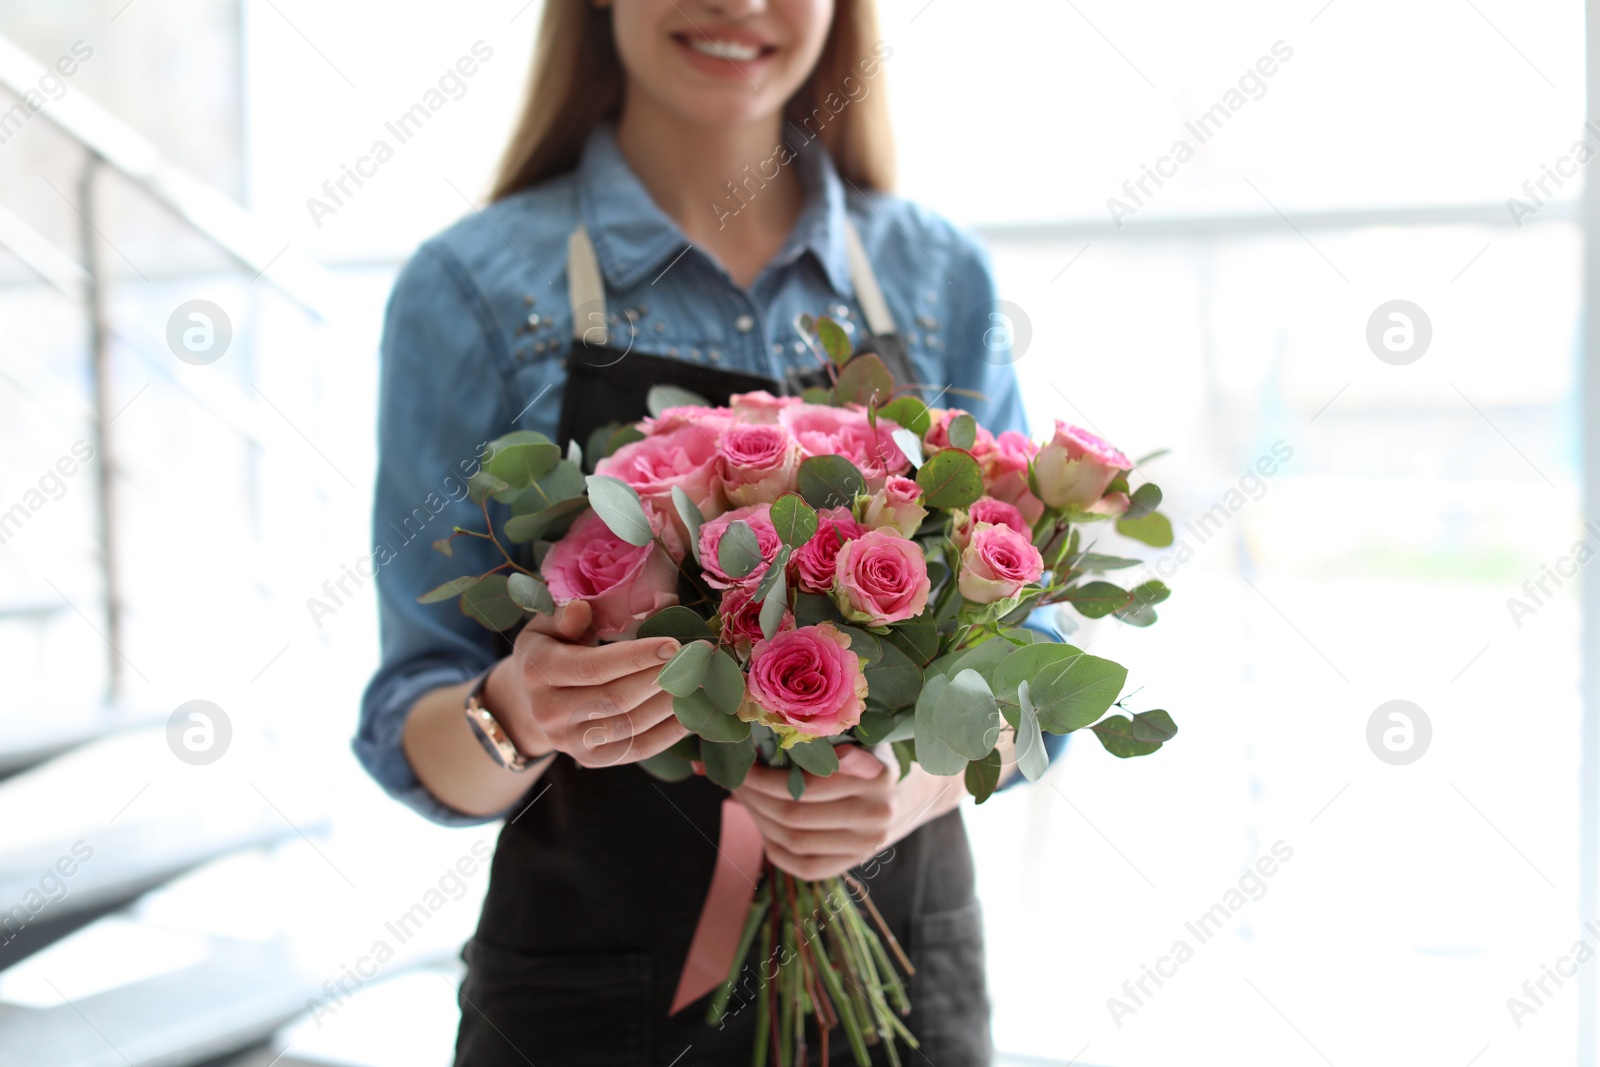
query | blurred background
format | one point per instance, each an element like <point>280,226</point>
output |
<point>168,526</point>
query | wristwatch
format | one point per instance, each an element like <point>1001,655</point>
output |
<point>491,735</point>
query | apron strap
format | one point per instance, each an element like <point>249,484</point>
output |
<point>868,295</point>
<point>586,289</point>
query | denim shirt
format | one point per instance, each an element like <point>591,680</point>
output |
<point>477,331</point>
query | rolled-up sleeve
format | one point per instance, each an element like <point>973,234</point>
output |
<point>442,395</point>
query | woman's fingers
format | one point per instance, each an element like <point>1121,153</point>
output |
<point>842,813</point>
<point>565,665</point>
<point>650,728</point>
<point>595,730</point>
<point>772,782</point>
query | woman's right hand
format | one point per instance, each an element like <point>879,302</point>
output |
<point>559,690</point>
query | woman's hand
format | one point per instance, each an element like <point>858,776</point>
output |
<point>561,691</point>
<point>842,820</point>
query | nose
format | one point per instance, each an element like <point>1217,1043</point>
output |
<point>733,9</point>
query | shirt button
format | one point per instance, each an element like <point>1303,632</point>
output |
<point>744,323</point>
<point>714,355</point>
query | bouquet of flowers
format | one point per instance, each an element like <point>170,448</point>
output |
<point>848,567</point>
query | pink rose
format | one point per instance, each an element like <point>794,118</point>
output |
<point>624,584</point>
<point>1005,473</point>
<point>1075,468</point>
<point>712,421</point>
<point>759,518</point>
<point>897,505</point>
<point>685,457</point>
<point>880,578</point>
<point>757,464</point>
<point>997,563</point>
<point>814,560</point>
<point>986,509</point>
<point>938,435</point>
<point>740,612</point>
<point>760,407</point>
<point>828,431</point>
<point>805,684</point>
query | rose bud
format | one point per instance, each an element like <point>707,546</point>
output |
<point>1075,468</point>
<point>896,505</point>
<point>997,563</point>
<point>986,509</point>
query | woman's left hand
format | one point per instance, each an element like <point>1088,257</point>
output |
<point>844,819</point>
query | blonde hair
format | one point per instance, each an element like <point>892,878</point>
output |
<point>577,81</point>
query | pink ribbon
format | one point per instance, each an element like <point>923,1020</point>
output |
<point>740,856</point>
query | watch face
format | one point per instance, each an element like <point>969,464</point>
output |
<point>482,734</point>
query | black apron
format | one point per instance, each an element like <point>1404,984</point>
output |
<point>597,885</point>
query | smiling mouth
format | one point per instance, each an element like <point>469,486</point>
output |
<point>724,49</point>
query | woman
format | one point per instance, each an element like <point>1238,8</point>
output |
<point>687,177</point>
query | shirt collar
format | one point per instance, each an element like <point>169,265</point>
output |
<point>633,238</point>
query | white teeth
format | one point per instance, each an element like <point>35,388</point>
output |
<point>739,53</point>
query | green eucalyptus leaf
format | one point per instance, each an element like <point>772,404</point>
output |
<point>797,781</point>
<point>530,594</point>
<point>774,604</point>
<point>546,524</point>
<point>910,444</point>
<point>818,395</point>
<point>1117,737</point>
<point>1154,725</point>
<point>1142,501</point>
<point>684,672</point>
<point>1094,563</point>
<point>935,756</point>
<point>909,413</point>
<point>564,481</point>
<point>449,590</point>
<point>835,342</point>
<point>963,432</point>
<point>1033,759</point>
<point>678,622</point>
<point>812,608</point>
<point>689,513</point>
<point>1153,529</point>
<point>699,715</point>
<point>739,551</point>
<point>863,644</point>
<point>1069,688</point>
<point>817,756</point>
<point>918,638</point>
<point>966,717</point>
<point>774,572</point>
<point>894,680</point>
<point>1095,600</point>
<point>864,380</point>
<point>489,603</point>
<point>950,479</point>
<point>618,506</point>
<point>983,776</point>
<point>483,485</point>
<point>621,436</point>
<point>667,766</point>
<point>724,682</point>
<point>830,482</point>
<point>519,464</point>
<point>794,519</point>
<point>727,762</point>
